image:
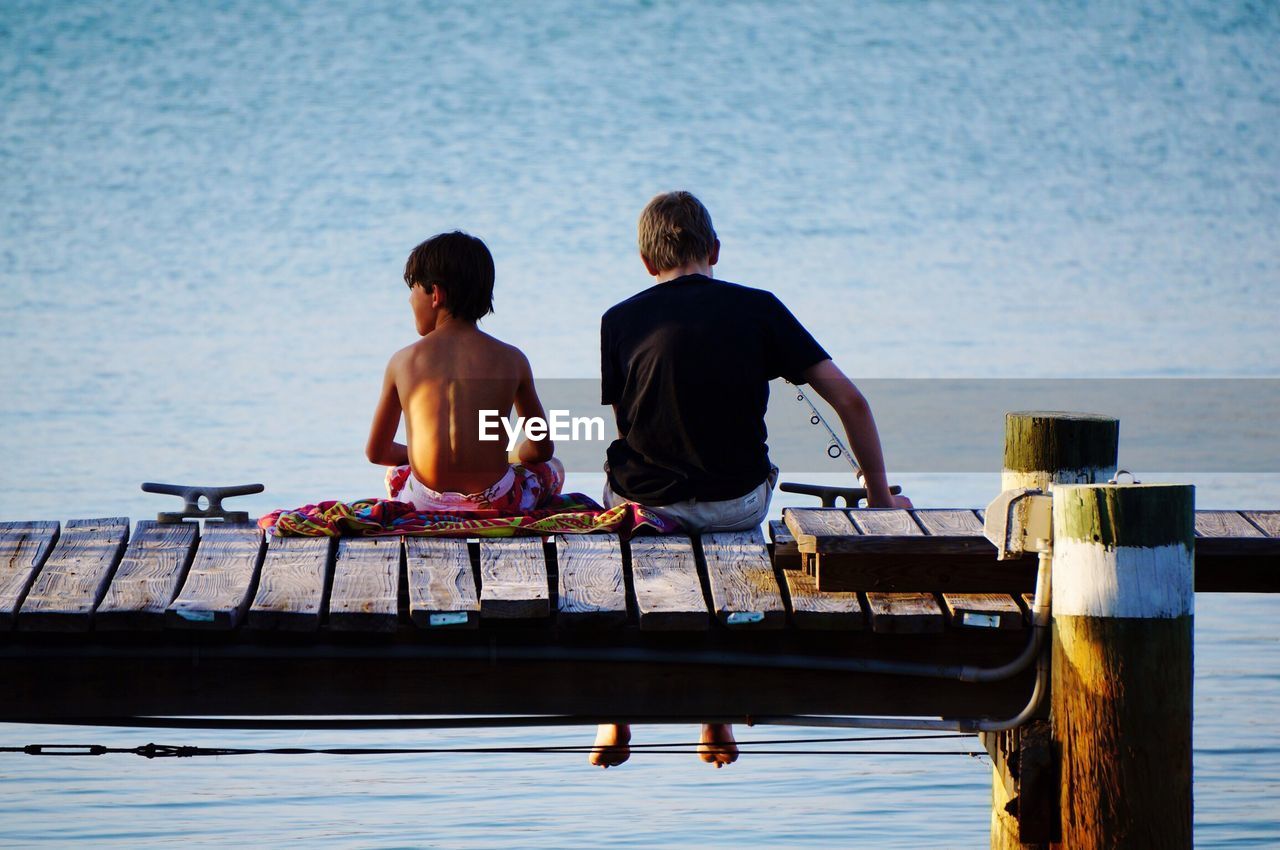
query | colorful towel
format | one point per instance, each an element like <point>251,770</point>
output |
<point>571,513</point>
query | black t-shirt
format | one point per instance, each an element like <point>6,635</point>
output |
<point>687,364</point>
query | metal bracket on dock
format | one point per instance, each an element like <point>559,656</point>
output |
<point>1020,522</point>
<point>196,495</point>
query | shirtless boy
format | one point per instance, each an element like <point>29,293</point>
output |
<point>441,383</point>
<point>686,365</point>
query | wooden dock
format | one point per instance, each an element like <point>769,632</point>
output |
<point>101,620</point>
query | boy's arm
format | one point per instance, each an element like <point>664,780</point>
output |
<point>382,447</point>
<point>832,384</point>
<point>528,405</point>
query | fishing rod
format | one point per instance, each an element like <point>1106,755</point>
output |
<point>836,448</point>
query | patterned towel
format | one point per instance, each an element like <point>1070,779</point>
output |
<point>571,513</point>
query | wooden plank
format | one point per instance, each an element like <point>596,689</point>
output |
<point>901,558</point>
<point>895,532</point>
<point>1229,535</point>
<point>1268,521</point>
<point>664,572</point>
<point>889,522</point>
<point>149,575</point>
<point>24,547</point>
<point>786,554</point>
<point>1224,524</point>
<point>969,610</point>
<point>591,585</point>
<point>366,585</point>
<point>919,573</point>
<point>947,522</point>
<point>442,585</point>
<point>216,592</point>
<point>1230,559</point>
<point>897,613</point>
<point>75,575</point>
<point>290,597</point>
<point>744,592</point>
<point>417,677</point>
<point>904,613</point>
<point>813,610</point>
<point>983,610</point>
<point>810,525</point>
<point>513,579</point>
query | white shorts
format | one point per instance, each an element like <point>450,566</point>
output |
<point>739,514</point>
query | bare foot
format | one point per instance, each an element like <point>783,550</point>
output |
<point>718,746</point>
<point>611,747</point>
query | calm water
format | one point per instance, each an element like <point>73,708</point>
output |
<point>204,213</point>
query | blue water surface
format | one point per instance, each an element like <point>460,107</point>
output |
<point>204,215</point>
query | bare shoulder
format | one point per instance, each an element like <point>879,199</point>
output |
<point>401,360</point>
<point>511,356</point>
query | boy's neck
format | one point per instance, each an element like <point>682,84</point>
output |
<point>701,267</point>
<point>445,321</point>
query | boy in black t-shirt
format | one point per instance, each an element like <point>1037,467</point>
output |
<point>686,365</point>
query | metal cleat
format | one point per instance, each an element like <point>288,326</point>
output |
<point>828,494</point>
<point>195,495</point>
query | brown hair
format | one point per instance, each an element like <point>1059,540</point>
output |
<point>675,228</point>
<point>461,266</point>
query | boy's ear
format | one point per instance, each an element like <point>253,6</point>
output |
<point>649,266</point>
<point>714,256</point>
<point>438,298</point>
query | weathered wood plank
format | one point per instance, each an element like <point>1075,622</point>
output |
<point>664,572</point>
<point>904,613</point>
<point>809,525</point>
<point>148,577</point>
<point>513,579</point>
<point>442,585</point>
<point>890,522</point>
<point>786,554</point>
<point>216,592</point>
<point>291,585</point>
<point>983,610</point>
<point>75,575</point>
<point>366,585</point>
<point>894,532</point>
<point>591,584</point>
<point>24,547</point>
<point>947,522</point>
<point>813,610</point>
<point>744,591</point>
<point>1224,524</point>
<point>941,550</point>
<point>897,613</point>
<point>974,610</point>
<point>1268,521</point>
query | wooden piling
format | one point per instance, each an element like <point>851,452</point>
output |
<point>1041,449</point>
<point>1122,663</point>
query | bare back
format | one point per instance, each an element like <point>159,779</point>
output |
<point>443,381</point>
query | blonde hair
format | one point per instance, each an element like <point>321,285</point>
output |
<point>675,228</point>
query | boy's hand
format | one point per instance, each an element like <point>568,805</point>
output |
<point>900,502</point>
